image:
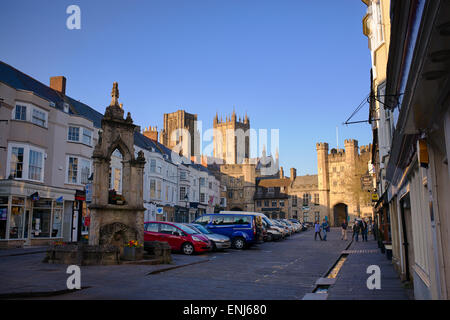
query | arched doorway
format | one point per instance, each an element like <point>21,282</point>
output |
<point>340,211</point>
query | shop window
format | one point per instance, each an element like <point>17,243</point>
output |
<point>57,218</point>
<point>16,221</point>
<point>3,216</point>
<point>42,211</point>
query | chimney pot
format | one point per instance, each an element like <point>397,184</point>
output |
<point>58,83</point>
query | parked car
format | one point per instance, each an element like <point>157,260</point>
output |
<point>282,225</point>
<point>291,228</point>
<point>179,236</point>
<point>270,225</point>
<point>243,230</point>
<point>271,233</point>
<point>218,241</point>
<point>296,226</point>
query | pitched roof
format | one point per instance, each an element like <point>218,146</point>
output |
<point>308,180</point>
<point>271,183</point>
<point>21,81</point>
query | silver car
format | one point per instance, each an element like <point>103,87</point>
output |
<point>219,242</point>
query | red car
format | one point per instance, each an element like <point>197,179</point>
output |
<point>178,236</point>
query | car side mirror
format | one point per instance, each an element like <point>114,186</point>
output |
<point>175,233</point>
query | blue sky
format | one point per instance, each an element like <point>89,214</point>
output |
<point>299,66</point>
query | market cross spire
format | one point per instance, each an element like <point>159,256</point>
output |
<point>115,95</point>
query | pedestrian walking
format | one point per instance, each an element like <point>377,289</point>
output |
<point>344,226</point>
<point>364,229</point>
<point>317,230</point>
<point>375,230</point>
<point>325,229</point>
<point>355,230</point>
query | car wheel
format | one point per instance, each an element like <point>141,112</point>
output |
<point>214,247</point>
<point>188,248</point>
<point>269,237</point>
<point>238,243</point>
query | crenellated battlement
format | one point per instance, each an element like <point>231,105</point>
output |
<point>336,154</point>
<point>350,143</point>
<point>365,149</point>
<point>322,146</point>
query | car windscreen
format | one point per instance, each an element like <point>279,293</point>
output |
<point>267,220</point>
<point>201,228</point>
<point>186,228</point>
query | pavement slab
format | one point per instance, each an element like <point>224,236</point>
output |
<point>351,281</point>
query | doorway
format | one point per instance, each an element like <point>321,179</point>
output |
<point>408,248</point>
<point>340,214</point>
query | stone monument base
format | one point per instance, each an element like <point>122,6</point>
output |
<point>83,255</point>
<point>87,255</point>
<point>158,250</point>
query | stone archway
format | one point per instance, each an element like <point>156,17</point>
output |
<point>340,214</point>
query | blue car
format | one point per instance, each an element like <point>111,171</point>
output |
<point>243,229</point>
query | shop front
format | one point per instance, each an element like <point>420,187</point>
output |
<point>181,214</point>
<point>32,214</point>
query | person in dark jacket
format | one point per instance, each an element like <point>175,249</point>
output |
<point>364,230</point>
<point>356,229</point>
<point>325,229</point>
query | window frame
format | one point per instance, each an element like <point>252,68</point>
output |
<point>79,169</point>
<point>29,113</point>
<point>26,160</point>
<point>80,135</point>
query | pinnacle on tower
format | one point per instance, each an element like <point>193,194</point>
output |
<point>115,95</point>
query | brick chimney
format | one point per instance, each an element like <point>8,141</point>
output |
<point>293,174</point>
<point>151,133</point>
<point>58,83</point>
